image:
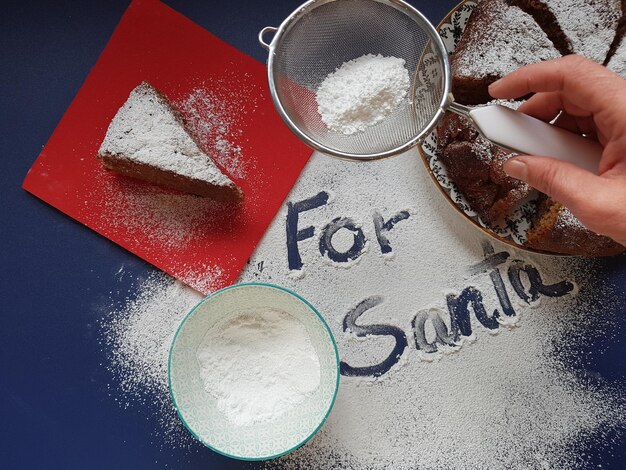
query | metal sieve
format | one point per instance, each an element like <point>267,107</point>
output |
<point>321,35</point>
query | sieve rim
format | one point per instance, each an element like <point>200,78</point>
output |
<point>416,16</point>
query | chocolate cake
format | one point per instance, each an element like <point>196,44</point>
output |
<point>501,36</point>
<point>475,165</point>
<point>583,27</point>
<point>547,21</point>
<point>556,229</point>
<point>148,140</point>
<point>498,39</point>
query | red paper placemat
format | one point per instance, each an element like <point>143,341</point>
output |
<point>224,95</point>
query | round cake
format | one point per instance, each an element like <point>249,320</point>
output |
<point>501,36</point>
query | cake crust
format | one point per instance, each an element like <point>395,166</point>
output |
<point>557,230</point>
<point>169,179</point>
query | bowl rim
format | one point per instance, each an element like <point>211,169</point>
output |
<point>193,311</point>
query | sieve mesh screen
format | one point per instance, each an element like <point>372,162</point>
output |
<point>320,38</point>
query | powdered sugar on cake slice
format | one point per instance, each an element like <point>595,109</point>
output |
<point>147,131</point>
<point>589,25</point>
<point>567,220</point>
<point>511,39</point>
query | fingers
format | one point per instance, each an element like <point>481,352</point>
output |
<point>546,106</point>
<point>585,84</point>
<point>577,125</point>
<point>558,179</point>
<point>552,105</point>
<point>598,202</point>
<point>583,97</point>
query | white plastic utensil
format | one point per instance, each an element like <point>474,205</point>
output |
<point>321,35</point>
<point>527,135</point>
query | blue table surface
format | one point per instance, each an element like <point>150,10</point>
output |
<point>55,406</point>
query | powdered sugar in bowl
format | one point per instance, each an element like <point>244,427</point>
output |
<point>253,371</point>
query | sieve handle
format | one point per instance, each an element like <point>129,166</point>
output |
<point>527,135</point>
<point>263,32</point>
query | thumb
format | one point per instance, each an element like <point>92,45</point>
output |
<point>563,181</point>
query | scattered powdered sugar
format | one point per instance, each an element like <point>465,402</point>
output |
<point>203,277</point>
<point>504,39</point>
<point>146,130</point>
<point>216,122</point>
<point>362,92</point>
<point>171,219</point>
<point>258,364</point>
<point>483,149</point>
<point>137,339</point>
<point>501,401</point>
<point>510,395</point>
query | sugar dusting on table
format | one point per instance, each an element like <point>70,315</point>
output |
<point>137,338</point>
<point>169,218</point>
<point>509,398</point>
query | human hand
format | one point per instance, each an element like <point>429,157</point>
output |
<point>588,99</point>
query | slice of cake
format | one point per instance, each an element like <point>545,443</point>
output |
<point>584,27</point>
<point>476,167</point>
<point>590,25</point>
<point>148,140</point>
<point>547,21</point>
<point>498,39</point>
<point>557,230</point>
